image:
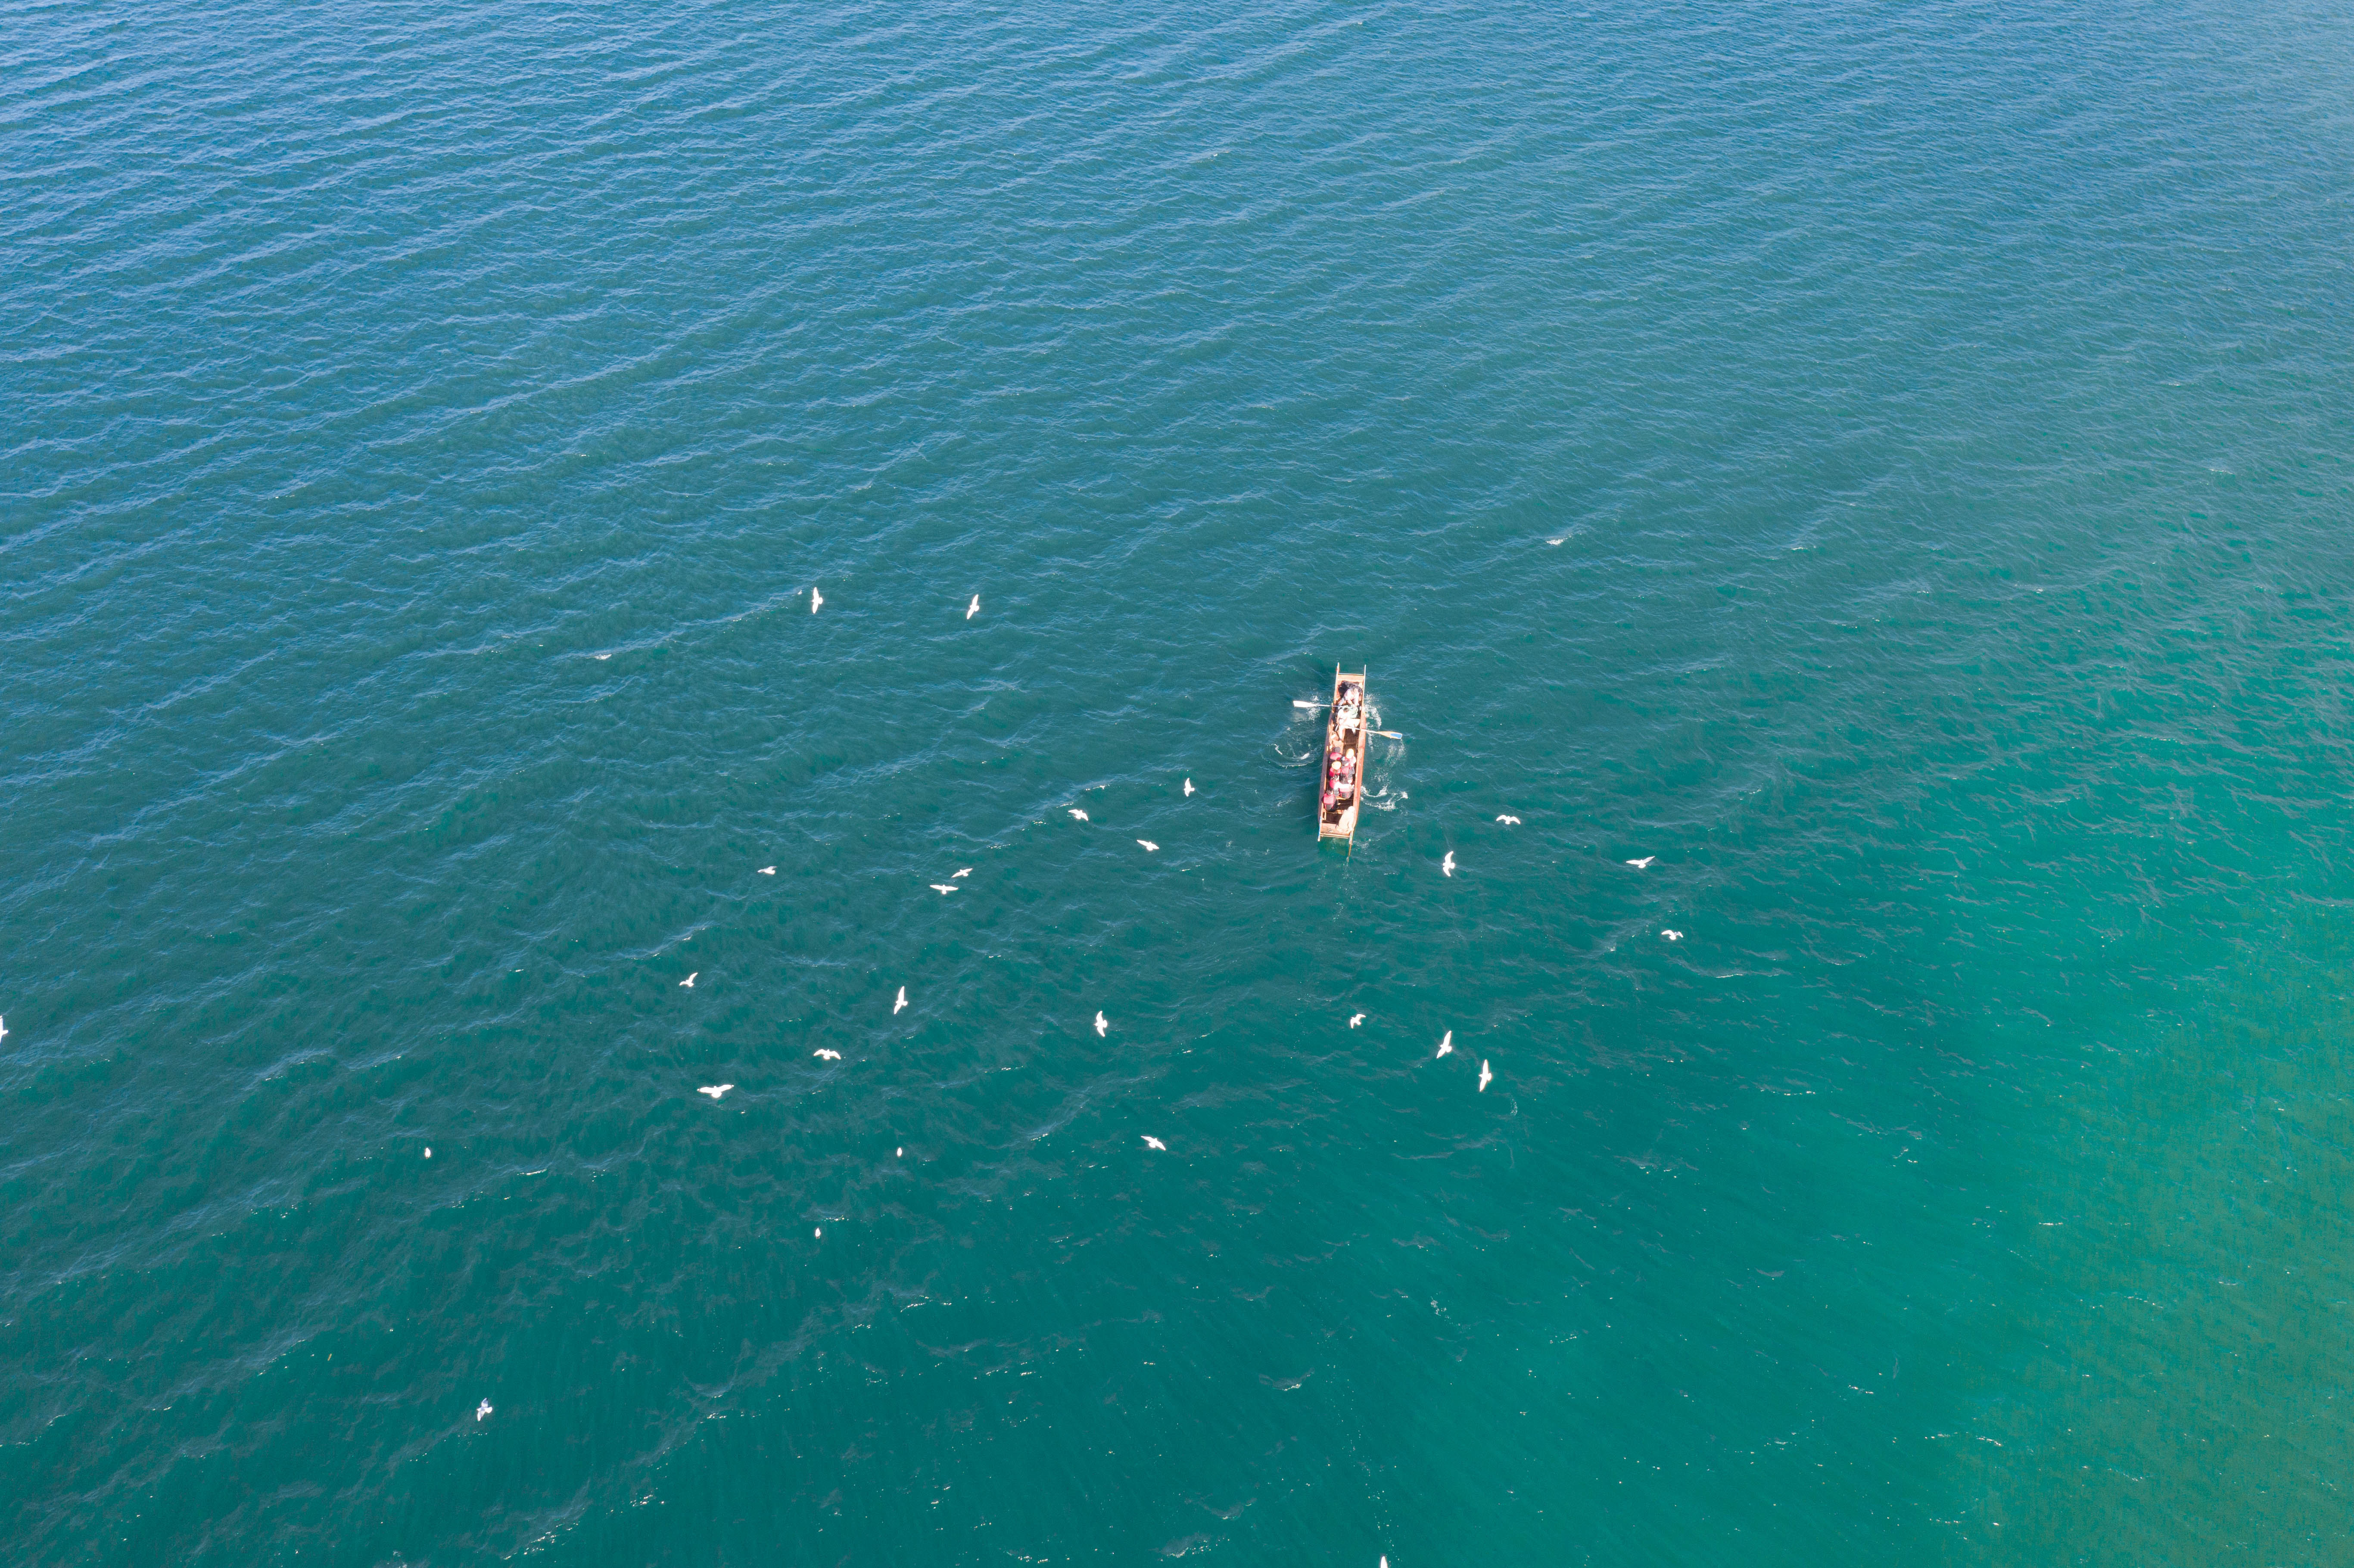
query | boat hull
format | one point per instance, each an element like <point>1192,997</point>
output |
<point>1340,785</point>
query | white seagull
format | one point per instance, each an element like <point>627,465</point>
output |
<point>4,1029</point>
<point>954,874</point>
<point>1639,865</point>
<point>827,1056</point>
<point>1356,1019</point>
<point>1507,821</point>
<point>900,1004</point>
<point>1448,865</point>
<point>944,887</point>
<point>1148,845</point>
<point>768,871</point>
<point>1189,786</point>
<point>1080,814</point>
<point>1101,1025</point>
<point>1486,1077</point>
<point>482,1410</point>
<point>1385,1561</point>
<point>1446,1045</point>
<point>974,608</point>
<point>816,599</point>
<point>602,657</point>
<point>1152,1142</point>
<point>1673,936</point>
<point>689,980</point>
<point>716,1091</point>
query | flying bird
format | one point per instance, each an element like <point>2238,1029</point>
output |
<point>954,874</point>
<point>4,1029</point>
<point>1189,786</point>
<point>1639,865</point>
<point>1385,1561</point>
<point>1148,845</point>
<point>944,887</point>
<point>816,599</point>
<point>1080,814</point>
<point>1446,1045</point>
<point>974,608</point>
<point>1486,1077</point>
<point>768,871</point>
<point>1356,1019</point>
<point>716,1091</point>
<point>602,657</point>
<point>1152,1142</point>
<point>1101,1025</point>
<point>482,1410</point>
<point>1448,865</point>
<point>1673,936</point>
<point>827,1056</point>
<point>689,980</point>
<point>1507,821</point>
<point>900,1004</point>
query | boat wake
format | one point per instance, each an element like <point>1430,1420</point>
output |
<point>1381,764</point>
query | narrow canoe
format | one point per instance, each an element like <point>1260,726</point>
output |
<point>1340,785</point>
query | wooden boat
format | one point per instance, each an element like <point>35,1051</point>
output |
<point>1340,780</point>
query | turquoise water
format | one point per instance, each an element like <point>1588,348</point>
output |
<point>1887,463</point>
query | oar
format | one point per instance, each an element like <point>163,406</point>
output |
<point>1297,704</point>
<point>1387,734</point>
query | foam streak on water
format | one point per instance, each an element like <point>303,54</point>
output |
<point>1890,464</point>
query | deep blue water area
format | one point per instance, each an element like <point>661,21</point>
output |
<point>1884,466</point>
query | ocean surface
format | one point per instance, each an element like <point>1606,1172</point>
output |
<point>1888,467</point>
